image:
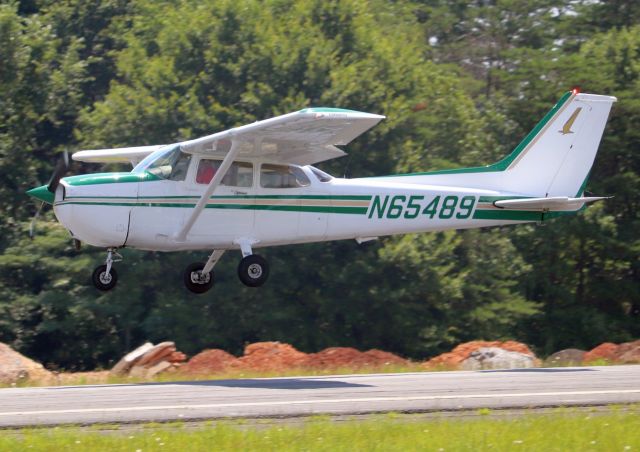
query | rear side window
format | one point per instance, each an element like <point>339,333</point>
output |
<point>240,174</point>
<point>282,176</point>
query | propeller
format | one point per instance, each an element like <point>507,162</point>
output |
<point>62,165</point>
<point>34,220</point>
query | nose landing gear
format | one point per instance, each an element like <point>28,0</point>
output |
<point>105,276</point>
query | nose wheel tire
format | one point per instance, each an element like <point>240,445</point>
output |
<point>253,270</point>
<point>195,280</point>
<point>103,280</point>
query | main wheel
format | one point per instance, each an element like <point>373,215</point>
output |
<point>253,270</point>
<point>195,280</point>
<point>103,280</point>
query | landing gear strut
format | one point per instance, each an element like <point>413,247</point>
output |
<point>105,276</point>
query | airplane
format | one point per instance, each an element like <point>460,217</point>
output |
<point>254,186</point>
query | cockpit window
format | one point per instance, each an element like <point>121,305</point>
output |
<point>169,164</point>
<point>282,176</point>
<point>321,175</point>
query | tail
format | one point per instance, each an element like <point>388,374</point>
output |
<point>555,158</point>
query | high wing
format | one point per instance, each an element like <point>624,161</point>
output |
<point>131,155</point>
<point>304,137</point>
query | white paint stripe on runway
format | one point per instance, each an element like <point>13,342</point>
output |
<point>322,401</point>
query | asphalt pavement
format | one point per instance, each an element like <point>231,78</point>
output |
<point>337,395</point>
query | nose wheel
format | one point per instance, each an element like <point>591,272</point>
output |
<point>105,276</point>
<point>253,270</point>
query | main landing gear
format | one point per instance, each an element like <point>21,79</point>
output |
<point>105,276</point>
<point>253,270</point>
<point>198,277</point>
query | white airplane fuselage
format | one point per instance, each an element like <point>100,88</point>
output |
<point>139,211</point>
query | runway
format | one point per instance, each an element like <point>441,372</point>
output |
<point>339,395</point>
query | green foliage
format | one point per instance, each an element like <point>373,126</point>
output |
<point>460,82</point>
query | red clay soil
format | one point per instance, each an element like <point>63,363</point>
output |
<point>606,351</point>
<point>337,357</point>
<point>276,356</point>
<point>208,362</point>
<point>454,358</point>
<point>266,356</point>
<point>628,352</point>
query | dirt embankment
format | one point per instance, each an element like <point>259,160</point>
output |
<point>276,356</point>
<point>148,361</point>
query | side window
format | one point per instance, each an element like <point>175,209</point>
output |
<point>240,174</point>
<point>282,176</point>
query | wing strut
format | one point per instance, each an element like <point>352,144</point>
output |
<point>215,181</point>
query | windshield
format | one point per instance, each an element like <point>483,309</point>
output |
<point>167,163</point>
<point>321,175</point>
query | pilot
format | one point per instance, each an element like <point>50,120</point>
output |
<point>206,171</point>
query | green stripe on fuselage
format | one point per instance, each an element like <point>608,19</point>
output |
<point>109,178</point>
<point>315,209</point>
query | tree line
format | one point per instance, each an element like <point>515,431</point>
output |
<point>461,83</point>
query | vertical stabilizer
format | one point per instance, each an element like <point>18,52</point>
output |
<point>555,159</point>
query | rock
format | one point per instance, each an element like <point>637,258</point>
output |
<point>628,352</point>
<point>177,357</point>
<point>606,351</point>
<point>454,359</point>
<point>15,367</point>
<point>497,358</point>
<point>156,354</point>
<point>123,366</point>
<point>567,357</point>
<point>138,372</point>
<point>157,369</point>
<point>149,360</point>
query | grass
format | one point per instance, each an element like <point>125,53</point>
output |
<point>558,430</point>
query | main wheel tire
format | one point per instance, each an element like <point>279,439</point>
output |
<point>102,280</point>
<point>253,270</point>
<point>195,281</point>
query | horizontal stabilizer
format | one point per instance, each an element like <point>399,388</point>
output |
<point>554,203</point>
<point>131,155</point>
